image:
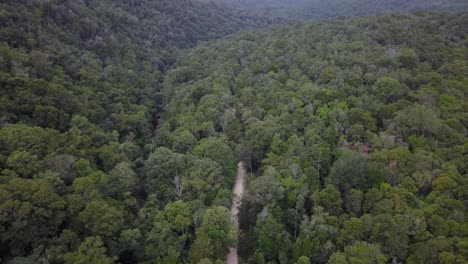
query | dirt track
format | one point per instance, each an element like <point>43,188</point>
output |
<point>238,193</point>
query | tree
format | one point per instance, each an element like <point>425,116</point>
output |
<point>183,140</point>
<point>263,191</point>
<point>269,235</point>
<point>205,175</point>
<point>160,170</point>
<point>122,179</point>
<point>389,89</point>
<point>23,164</point>
<point>105,224</point>
<point>82,192</point>
<point>218,151</point>
<point>129,241</point>
<point>91,250</point>
<point>31,211</point>
<point>63,164</point>
<point>67,242</point>
<point>408,58</point>
<point>215,235</point>
<point>433,250</point>
<point>417,119</point>
<point>338,258</point>
<point>259,135</point>
<point>110,156</point>
<point>448,257</point>
<point>303,260</point>
<point>353,230</point>
<point>349,171</point>
<point>173,226</point>
<point>391,234</point>
<point>353,202</point>
<point>444,184</point>
<point>317,237</point>
<point>359,252</point>
<point>330,199</point>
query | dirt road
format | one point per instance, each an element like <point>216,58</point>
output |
<point>238,193</point>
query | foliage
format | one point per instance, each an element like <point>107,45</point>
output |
<point>348,129</point>
<point>121,124</point>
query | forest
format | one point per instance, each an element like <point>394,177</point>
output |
<point>318,9</point>
<point>122,124</point>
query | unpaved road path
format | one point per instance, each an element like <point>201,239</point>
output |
<point>238,193</point>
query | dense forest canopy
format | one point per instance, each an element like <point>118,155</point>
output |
<point>314,9</point>
<point>114,53</point>
<point>121,124</point>
<point>79,104</point>
<point>356,129</point>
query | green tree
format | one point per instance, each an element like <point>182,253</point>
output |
<point>205,175</point>
<point>91,250</point>
<point>353,202</point>
<point>82,192</point>
<point>160,170</point>
<point>23,164</point>
<point>129,240</point>
<point>183,140</point>
<point>263,191</point>
<point>354,229</point>
<point>122,179</point>
<point>173,226</point>
<point>391,234</point>
<point>269,235</point>
<point>389,89</point>
<point>317,236</point>
<point>67,242</point>
<point>303,260</point>
<point>330,199</point>
<point>215,235</point>
<point>259,135</point>
<point>100,219</point>
<point>417,119</point>
<point>31,211</point>
<point>349,171</point>
<point>359,252</point>
<point>218,151</point>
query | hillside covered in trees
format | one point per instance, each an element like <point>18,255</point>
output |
<point>79,102</point>
<point>318,9</point>
<point>122,122</point>
<point>355,129</point>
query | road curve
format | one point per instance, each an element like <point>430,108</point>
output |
<point>238,193</point>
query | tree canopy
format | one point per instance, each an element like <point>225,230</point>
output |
<point>121,124</point>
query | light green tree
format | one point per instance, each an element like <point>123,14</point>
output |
<point>91,250</point>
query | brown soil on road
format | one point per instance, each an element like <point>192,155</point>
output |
<point>238,193</point>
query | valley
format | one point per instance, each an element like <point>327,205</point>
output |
<point>209,132</point>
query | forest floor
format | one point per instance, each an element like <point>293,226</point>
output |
<point>238,193</point>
